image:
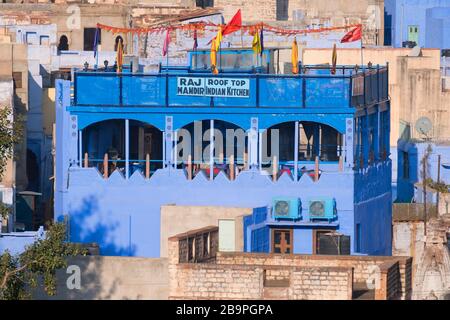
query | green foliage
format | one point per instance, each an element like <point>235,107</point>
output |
<point>11,132</point>
<point>438,186</point>
<point>38,262</point>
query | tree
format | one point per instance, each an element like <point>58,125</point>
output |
<point>37,264</point>
<point>10,135</point>
<point>40,260</point>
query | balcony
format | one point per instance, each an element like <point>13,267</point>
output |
<point>314,88</point>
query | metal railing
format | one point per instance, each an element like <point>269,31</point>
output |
<point>313,89</point>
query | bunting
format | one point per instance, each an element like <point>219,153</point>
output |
<point>201,26</point>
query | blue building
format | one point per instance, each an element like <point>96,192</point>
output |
<point>411,157</point>
<point>425,22</point>
<point>129,143</point>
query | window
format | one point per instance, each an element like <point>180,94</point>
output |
<point>282,10</point>
<point>204,3</point>
<point>413,34</point>
<point>328,242</point>
<point>17,79</point>
<point>282,241</point>
<point>89,38</point>
<point>63,44</point>
<point>358,237</point>
<point>405,165</point>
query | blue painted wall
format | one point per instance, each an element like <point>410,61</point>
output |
<point>415,153</point>
<point>123,215</point>
<point>432,17</point>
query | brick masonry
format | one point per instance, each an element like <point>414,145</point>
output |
<point>294,277</point>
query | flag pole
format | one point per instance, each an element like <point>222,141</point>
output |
<point>167,54</point>
<point>362,49</point>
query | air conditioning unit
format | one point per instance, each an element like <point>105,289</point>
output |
<point>287,209</point>
<point>322,209</point>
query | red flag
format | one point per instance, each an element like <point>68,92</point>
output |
<point>234,24</point>
<point>353,35</point>
<point>166,43</point>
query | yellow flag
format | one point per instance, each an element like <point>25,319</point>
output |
<point>218,39</point>
<point>334,60</point>
<point>213,57</point>
<point>294,57</point>
<point>256,44</point>
<point>119,57</point>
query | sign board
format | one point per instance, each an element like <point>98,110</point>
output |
<point>213,87</point>
<point>358,86</point>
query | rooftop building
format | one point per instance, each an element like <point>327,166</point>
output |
<point>128,143</point>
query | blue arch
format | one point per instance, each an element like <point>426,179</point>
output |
<point>336,121</point>
<point>182,120</point>
<point>155,120</point>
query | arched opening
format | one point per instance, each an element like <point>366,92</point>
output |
<point>63,44</point>
<point>106,141</point>
<point>230,147</point>
<point>116,43</point>
<point>311,143</point>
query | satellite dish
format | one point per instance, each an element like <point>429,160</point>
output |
<point>424,125</point>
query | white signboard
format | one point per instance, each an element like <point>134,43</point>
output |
<point>213,87</point>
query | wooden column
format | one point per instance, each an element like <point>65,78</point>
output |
<point>105,166</point>
<point>274,169</point>
<point>189,167</point>
<point>341,163</point>
<point>316,169</point>
<point>245,164</point>
<point>232,175</point>
<point>86,160</point>
<point>147,166</point>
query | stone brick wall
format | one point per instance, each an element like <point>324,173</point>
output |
<point>236,275</point>
<point>213,281</point>
<point>390,282</point>
<point>365,268</point>
<point>321,284</point>
<point>250,281</point>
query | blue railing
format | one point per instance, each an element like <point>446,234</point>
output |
<point>315,89</point>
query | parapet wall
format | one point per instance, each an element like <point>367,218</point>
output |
<point>365,268</point>
<point>274,276</point>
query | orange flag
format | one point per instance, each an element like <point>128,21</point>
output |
<point>294,57</point>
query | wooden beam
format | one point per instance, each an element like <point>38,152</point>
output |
<point>316,169</point>
<point>105,166</point>
<point>275,169</point>
<point>86,160</point>
<point>147,166</point>
<point>232,174</point>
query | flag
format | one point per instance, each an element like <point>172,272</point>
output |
<point>334,60</point>
<point>261,40</point>
<point>294,57</point>
<point>353,35</point>
<point>96,38</point>
<point>166,44</point>
<point>234,24</point>
<point>119,57</point>
<point>213,56</point>
<point>256,44</point>
<point>195,40</point>
<point>218,39</point>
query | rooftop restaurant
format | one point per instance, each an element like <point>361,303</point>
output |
<point>123,116</point>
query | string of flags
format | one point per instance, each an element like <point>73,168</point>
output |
<point>235,24</point>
